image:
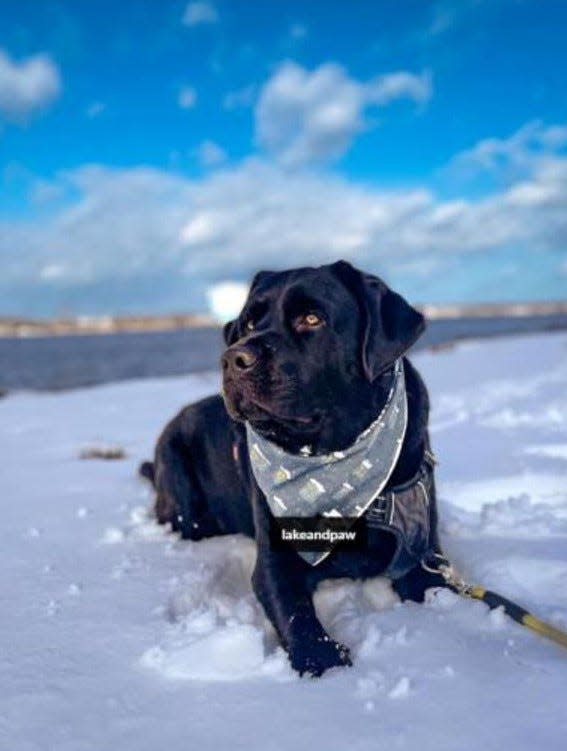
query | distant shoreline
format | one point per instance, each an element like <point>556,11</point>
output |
<point>99,325</point>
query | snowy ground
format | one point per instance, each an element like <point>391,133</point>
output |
<point>114,635</point>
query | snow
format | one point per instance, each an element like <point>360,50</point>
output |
<point>116,635</point>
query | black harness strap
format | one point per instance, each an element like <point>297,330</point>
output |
<point>404,511</point>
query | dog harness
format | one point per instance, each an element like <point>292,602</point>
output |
<point>349,483</point>
<point>404,511</point>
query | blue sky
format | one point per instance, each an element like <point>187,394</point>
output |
<point>150,151</point>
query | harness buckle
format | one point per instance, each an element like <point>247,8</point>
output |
<point>430,458</point>
<point>379,506</point>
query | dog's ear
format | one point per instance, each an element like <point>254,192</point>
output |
<point>230,329</point>
<point>259,277</point>
<point>389,324</point>
<point>230,332</point>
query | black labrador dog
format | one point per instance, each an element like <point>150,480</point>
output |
<point>308,362</point>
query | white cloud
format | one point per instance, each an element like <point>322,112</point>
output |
<point>312,116</point>
<point>187,97</point>
<point>200,230</point>
<point>199,13</point>
<point>163,240</point>
<point>52,271</point>
<point>516,153</point>
<point>210,154</point>
<point>226,299</point>
<point>43,192</point>
<point>446,15</point>
<point>398,85</point>
<point>27,86</point>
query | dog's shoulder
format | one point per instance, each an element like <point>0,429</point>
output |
<point>418,396</point>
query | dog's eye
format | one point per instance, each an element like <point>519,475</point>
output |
<point>308,321</point>
<point>249,326</point>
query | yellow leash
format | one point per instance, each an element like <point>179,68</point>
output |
<point>494,600</point>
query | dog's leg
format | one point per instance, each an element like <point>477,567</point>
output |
<point>415,583</point>
<point>146,469</point>
<point>279,584</point>
<point>177,499</point>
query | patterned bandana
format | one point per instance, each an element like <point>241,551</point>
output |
<point>340,484</point>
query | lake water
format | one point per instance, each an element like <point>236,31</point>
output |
<point>73,361</point>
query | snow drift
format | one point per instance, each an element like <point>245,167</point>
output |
<point>115,634</point>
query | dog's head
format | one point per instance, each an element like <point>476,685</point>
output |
<point>309,350</point>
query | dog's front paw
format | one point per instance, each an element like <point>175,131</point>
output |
<point>314,656</point>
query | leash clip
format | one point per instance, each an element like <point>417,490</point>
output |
<point>435,563</point>
<point>449,573</point>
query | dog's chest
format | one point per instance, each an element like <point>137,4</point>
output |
<point>340,485</point>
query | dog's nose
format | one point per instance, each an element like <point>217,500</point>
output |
<point>239,358</point>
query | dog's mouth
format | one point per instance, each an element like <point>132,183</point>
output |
<point>267,413</point>
<point>251,409</point>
